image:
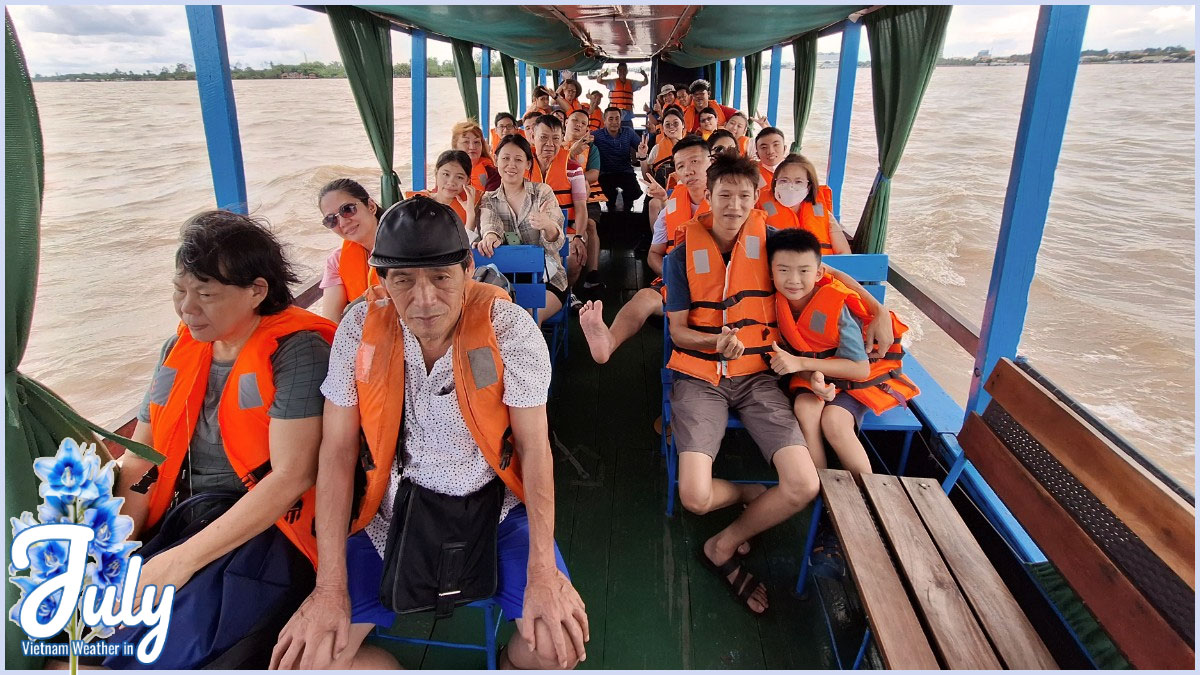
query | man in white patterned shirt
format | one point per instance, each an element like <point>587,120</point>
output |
<point>466,381</point>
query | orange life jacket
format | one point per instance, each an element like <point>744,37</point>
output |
<point>621,94</point>
<point>479,173</point>
<point>665,147</point>
<point>595,119</point>
<point>357,276</point>
<point>241,414</point>
<point>672,181</point>
<point>677,217</point>
<point>743,145</point>
<point>886,386</point>
<point>816,218</point>
<point>678,209</point>
<point>767,175</point>
<point>595,192</point>
<point>737,295</point>
<point>557,179</point>
<point>454,204</point>
<point>575,105</point>
<point>478,386</point>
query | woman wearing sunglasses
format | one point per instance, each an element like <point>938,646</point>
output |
<point>349,211</point>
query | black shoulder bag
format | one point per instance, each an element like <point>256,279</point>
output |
<point>441,550</point>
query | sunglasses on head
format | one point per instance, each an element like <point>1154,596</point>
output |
<point>346,210</point>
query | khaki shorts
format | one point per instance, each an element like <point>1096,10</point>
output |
<point>700,411</point>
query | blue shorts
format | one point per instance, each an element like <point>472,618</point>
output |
<point>364,567</point>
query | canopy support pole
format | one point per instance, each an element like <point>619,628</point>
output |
<point>1052,69</point>
<point>419,100</point>
<point>521,76</point>
<point>541,77</point>
<point>738,66</point>
<point>843,107</point>
<point>218,109</point>
<point>485,89</point>
<point>773,87</point>
<point>717,83</point>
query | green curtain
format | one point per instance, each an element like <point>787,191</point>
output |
<point>753,65</point>
<point>35,419</point>
<point>509,66</point>
<point>727,83</point>
<point>365,43</point>
<point>905,44</point>
<point>464,71</point>
<point>535,74</point>
<point>806,73</point>
<point>556,77</point>
<point>710,74</point>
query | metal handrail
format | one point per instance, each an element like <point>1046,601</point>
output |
<point>962,330</point>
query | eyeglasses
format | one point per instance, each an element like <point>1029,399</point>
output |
<point>348,209</point>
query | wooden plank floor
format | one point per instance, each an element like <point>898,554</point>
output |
<point>651,603</point>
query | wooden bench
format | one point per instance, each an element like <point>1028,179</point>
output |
<point>1121,538</point>
<point>961,614</point>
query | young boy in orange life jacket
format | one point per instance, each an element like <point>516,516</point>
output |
<point>821,351</point>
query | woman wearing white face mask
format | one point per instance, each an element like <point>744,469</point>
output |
<point>797,199</point>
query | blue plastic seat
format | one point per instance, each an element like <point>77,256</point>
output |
<point>492,615</point>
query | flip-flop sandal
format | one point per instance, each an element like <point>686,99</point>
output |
<point>827,561</point>
<point>744,583</point>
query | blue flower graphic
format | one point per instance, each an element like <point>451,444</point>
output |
<point>75,488</point>
<point>65,474</point>
<point>47,608</point>
<point>53,510</point>
<point>109,526</point>
<point>48,559</point>
<point>109,570</point>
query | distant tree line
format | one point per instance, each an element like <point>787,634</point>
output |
<point>268,71</point>
<point>1172,53</point>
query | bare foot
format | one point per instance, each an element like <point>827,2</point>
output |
<point>599,337</point>
<point>757,600</point>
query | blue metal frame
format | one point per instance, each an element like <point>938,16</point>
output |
<point>1052,68</point>
<point>541,77</point>
<point>843,107</point>
<point>773,88</point>
<point>485,89</point>
<point>739,67</point>
<point>492,616</point>
<point>218,109</point>
<point>521,91</point>
<point>419,104</point>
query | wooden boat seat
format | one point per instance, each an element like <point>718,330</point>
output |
<point>932,598</point>
<point>1121,538</point>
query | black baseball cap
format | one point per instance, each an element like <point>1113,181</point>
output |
<point>419,232</point>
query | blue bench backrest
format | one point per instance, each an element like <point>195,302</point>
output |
<point>868,269</point>
<point>525,267</point>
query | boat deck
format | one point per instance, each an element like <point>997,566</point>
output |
<point>651,602</point>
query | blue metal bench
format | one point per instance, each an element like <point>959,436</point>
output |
<point>525,267</point>
<point>492,615</point>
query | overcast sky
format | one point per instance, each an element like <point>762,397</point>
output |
<point>98,38</point>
